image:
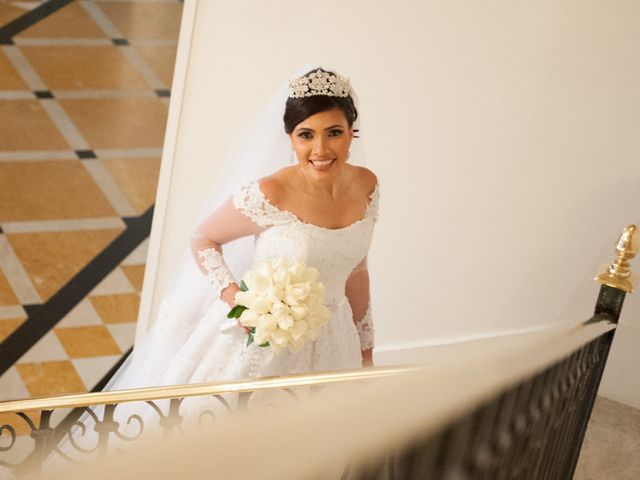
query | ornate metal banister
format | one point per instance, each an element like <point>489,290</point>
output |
<point>526,421</point>
<point>192,390</point>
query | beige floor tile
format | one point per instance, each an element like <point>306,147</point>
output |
<point>51,378</point>
<point>80,342</point>
<point>119,122</point>
<point>82,315</point>
<point>28,117</point>
<point>65,190</point>
<point>117,308</point>
<point>116,282</point>
<point>70,21</point>
<point>9,12</point>
<point>7,296</point>
<point>139,254</point>
<point>51,259</point>
<point>8,325</point>
<point>21,427</point>
<point>12,387</point>
<point>161,59</point>
<point>123,333</point>
<point>135,274</point>
<point>47,349</point>
<point>83,67</point>
<point>9,78</point>
<point>137,179</point>
<point>144,20</point>
<point>92,370</point>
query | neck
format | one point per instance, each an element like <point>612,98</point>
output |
<point>326,184</point>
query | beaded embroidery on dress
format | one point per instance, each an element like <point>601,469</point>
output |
<point>216,350</point>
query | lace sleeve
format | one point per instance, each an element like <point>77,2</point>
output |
<point>251,202</point>
<point>372,209</point>
<point>222,226</point>
<point>218,274</point>
<point>357,290</point>
<point>365,330</point>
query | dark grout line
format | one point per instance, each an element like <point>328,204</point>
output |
<point>18,25</point>
<point>98,387</point>
<point>46,316</point>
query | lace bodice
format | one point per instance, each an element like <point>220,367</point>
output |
<point>334,252</point>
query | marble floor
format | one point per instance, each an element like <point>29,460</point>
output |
<point>84,91</point>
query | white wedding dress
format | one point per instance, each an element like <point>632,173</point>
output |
<point>216,349</point>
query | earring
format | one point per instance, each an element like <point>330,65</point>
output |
<point>293,157</point>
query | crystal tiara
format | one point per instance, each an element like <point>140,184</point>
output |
<point>319,83</point>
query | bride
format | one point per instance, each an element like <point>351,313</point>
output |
<point>319,209</point>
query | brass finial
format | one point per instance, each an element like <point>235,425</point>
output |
<point>618,274</point>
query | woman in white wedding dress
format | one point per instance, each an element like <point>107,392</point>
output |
<point>320,210</point>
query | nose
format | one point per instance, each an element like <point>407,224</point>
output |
<point>319,145</point>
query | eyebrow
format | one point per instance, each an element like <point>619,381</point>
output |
<point>328,128</point>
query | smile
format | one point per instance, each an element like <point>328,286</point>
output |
<point>322,164</point>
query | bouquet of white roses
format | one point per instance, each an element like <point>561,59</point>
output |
<point>282,304</point>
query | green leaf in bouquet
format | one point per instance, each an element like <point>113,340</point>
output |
<point>265,344</point>
<point>250,339</point>
<point>243,286</point>
<point>252,330</point>
<point>236,311</point>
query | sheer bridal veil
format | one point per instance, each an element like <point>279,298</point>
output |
<point>262,148</point>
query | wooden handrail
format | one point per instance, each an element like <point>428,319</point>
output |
<point>212,388</point>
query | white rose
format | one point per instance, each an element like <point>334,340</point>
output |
<point>279,310</point>
<point>294,294</point>
<point>298,330</point>
<point>286,322</point>
<point>265,269</point>
<point>261,305</point>
<point>318,289</point>
<point>256,282</point>
<point>244,298</point>
<point>295,271</point>
<point>279,338</point>
<point>275,294</point>
<point>281,262</point>
<point>268,322</point>
<point>261,335</point>
<point>298,312</point>
<point>249,318</point>
<point>310,274</point>
<point>281,277</point>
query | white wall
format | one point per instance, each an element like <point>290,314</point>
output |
<point>504,135</point>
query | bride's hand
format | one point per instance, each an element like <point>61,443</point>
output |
<point>228,295</point>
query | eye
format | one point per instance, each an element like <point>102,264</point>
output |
<point>336,132</point>
<point>305,135</point>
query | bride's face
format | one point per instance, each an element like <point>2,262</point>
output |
<point>321,142</point>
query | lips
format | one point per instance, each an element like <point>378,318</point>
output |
<point>322,164</point>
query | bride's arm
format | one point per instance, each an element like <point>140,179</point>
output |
<point>222,226</point>
<point>357,291</point>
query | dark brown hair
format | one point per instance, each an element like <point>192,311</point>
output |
<point>299,109</point>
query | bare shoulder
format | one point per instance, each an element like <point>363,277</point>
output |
<point>366,179</point>
<point>274,185</point>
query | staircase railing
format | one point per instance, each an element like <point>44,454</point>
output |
<point>520,414</point>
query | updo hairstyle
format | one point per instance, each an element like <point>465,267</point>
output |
<point>299,109</point>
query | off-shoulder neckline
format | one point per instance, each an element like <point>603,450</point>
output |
<point>294,217</point>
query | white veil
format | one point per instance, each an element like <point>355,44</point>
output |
<point>262,148</point>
